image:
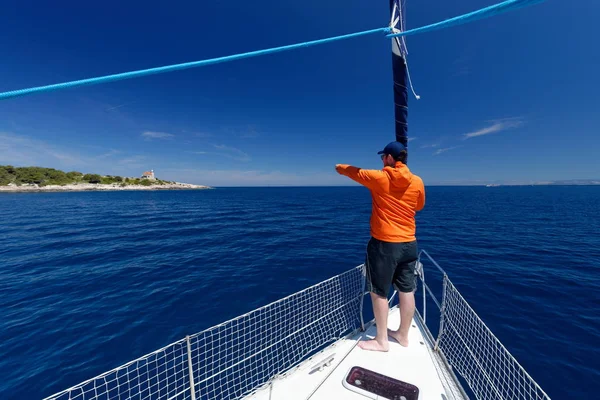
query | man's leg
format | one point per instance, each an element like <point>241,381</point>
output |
<point>380,310</point>
<point>406,284</point>
<point>380,271</point>
<point>407,310</point>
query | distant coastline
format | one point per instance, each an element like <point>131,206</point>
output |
<point>571,182</point>
<point>84,187</point>
<point>37,179</point>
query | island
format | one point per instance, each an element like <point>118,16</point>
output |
<point>38,179</point>
<point>569,182</point>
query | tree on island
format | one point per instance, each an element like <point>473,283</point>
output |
<point>74,176</point>
<point>92,178</point>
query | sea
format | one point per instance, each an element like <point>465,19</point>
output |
<point>91,280</point>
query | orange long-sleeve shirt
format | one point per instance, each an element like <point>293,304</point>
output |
<point>397,195</point>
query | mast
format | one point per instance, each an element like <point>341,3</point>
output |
<point>399,51</point>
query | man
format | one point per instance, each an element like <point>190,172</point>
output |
<point>392,250</point>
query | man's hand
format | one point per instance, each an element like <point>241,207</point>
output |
<point>339,168</point>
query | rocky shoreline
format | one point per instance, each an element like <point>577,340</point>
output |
<point>82,187</point>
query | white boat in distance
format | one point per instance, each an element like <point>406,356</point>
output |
<point>304,346</point>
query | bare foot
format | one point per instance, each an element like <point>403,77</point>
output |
<point>373,345</point>
<point>398,338</point>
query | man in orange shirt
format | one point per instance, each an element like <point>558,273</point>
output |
<point>392,251</point>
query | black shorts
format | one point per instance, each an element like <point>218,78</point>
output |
<point>391,263</point>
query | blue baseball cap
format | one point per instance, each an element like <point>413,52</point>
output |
<point>393,148</point>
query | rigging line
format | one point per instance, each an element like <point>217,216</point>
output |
<point>495,9</point>
<point>506,6</point>
<point>176,67</point>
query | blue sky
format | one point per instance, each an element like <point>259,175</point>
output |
<point>509,99</point>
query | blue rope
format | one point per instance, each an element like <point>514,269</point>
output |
<point>480,14</point>
<point>176,67</point>
<point>487,12</point>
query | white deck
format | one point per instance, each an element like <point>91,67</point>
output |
<point>413,364</point>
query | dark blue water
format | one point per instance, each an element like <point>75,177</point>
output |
<point>89,281</point>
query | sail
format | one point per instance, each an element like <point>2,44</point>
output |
<point>399,51</point>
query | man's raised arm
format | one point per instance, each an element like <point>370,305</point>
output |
<point>370,178</point>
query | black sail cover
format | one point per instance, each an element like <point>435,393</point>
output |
<point>399,52</point>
